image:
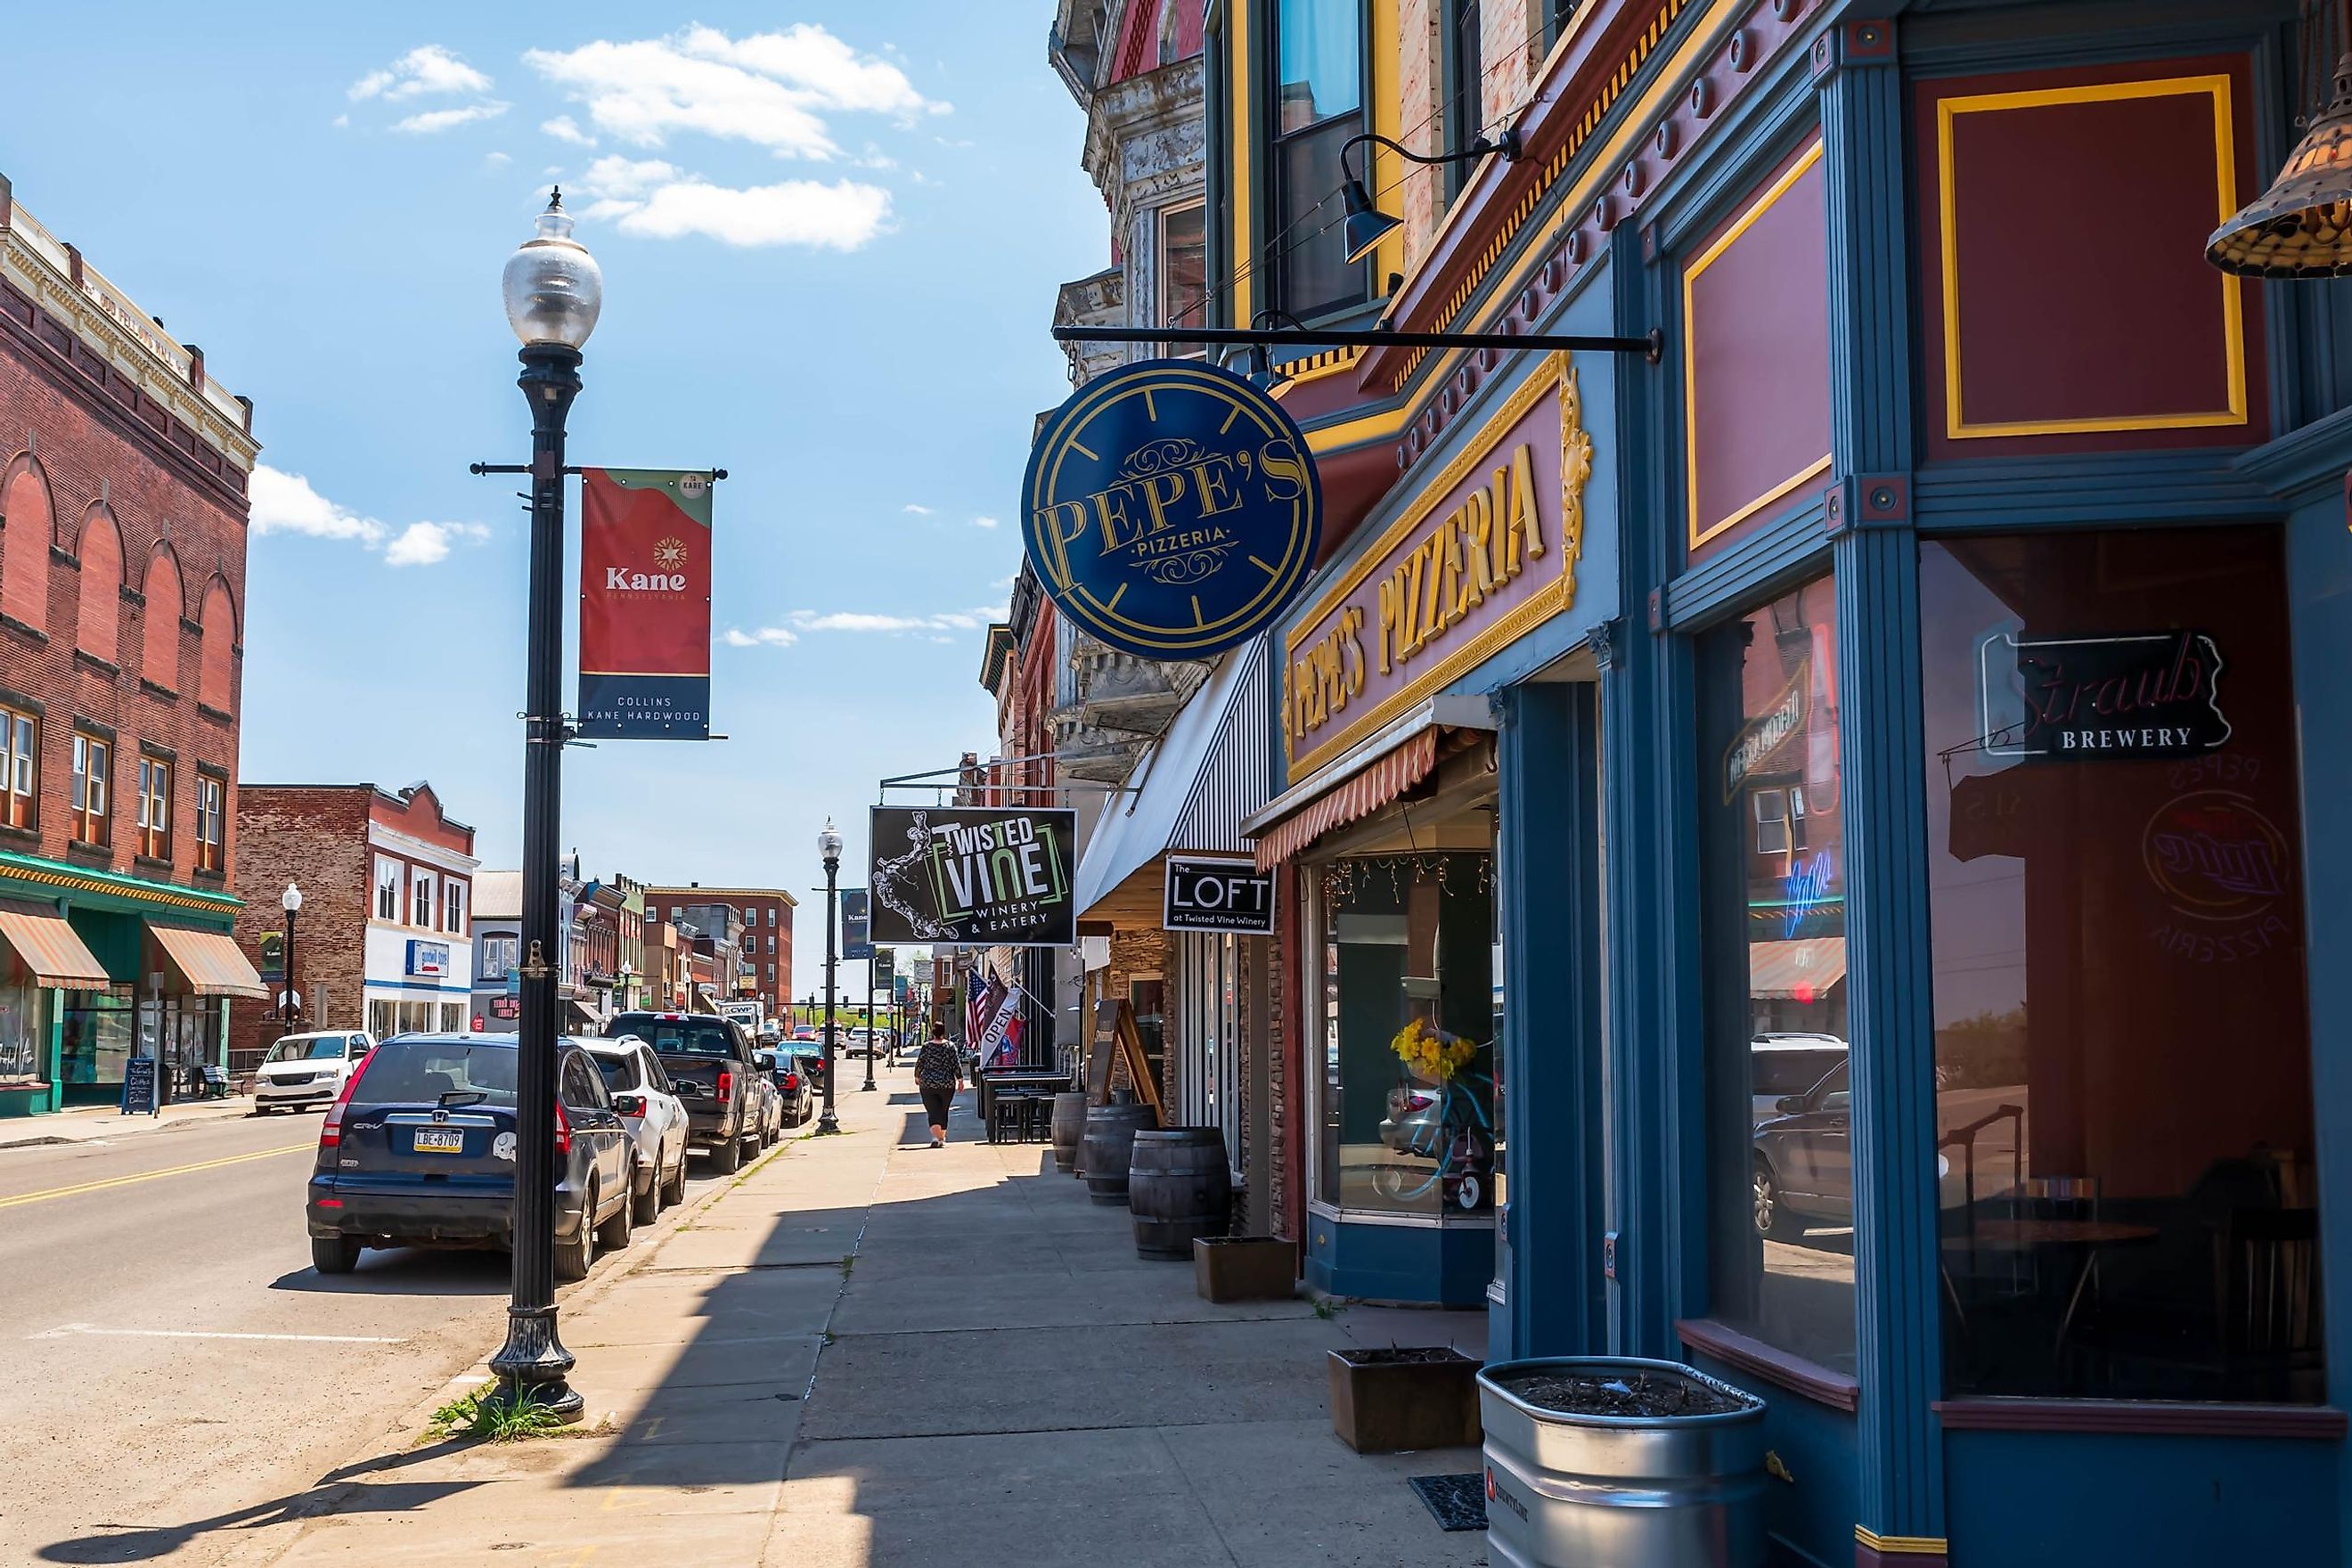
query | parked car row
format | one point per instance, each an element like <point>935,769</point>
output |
<point>418,1145</point>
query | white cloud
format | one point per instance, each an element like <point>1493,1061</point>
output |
<point>432,119</point>
<point>495,159</point>
<point>285,503</point>
<point>428,543</point>
<point>426,69</point>
<point>983,522</point>
<point>772,89</point>
<point>563,128</point>
<point>842,216</point>
<point>865,621</point>
<point>918,509</point>
<point>623,178</point>
<point>765,637</point>
<point>339,121</point>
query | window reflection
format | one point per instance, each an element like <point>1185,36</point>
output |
<point>1780,1104</point>
<point>2121,1050</point>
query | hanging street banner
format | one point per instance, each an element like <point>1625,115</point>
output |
<point>856,933</point>
<point>993,875</point>
<point>1171,508</point>
<point>885,960</point>
<point>1218,893</point>
<point>645,605</point>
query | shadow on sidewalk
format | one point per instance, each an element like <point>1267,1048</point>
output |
<point>331,1497</point>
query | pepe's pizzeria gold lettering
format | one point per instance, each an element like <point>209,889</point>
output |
<point>1138,514</point>
<point>1493,536</point>
<point>1474,549</point>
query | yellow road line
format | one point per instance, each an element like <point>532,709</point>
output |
<point>24,1199</point>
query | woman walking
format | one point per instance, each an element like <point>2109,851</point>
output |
<point>938,1073</point>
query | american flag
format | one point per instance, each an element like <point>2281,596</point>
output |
<point>979,1007</point>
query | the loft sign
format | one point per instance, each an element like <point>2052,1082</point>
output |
<point>1484,554</point>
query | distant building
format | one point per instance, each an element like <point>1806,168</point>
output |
<point>122,529</point>
<point>385,940</point>
<point>497,951</point>
<point>758,925</point>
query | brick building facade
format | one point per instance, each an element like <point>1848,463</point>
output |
<point>385,939</point>
<point>763,941</point>
<point>123,550</point>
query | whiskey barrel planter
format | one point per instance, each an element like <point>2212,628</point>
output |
<point>1180,1189</point>
<point>1612,1460</point>
<point>1069,1126</point>
<point>1103,1151</point>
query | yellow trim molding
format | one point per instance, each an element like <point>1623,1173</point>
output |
<point>1956,424</point>
<point>1706,258</point>
<point>1902,1545</point>
<point>1576,467</point>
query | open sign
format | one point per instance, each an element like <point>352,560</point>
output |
<point>1217,894</point>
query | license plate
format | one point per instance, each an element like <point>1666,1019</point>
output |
<point>440,1141</point>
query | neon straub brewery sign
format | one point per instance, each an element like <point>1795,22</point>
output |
<point>1172,510</point>
<point>1487,551</point>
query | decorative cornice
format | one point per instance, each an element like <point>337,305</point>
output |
<point>22,264</point>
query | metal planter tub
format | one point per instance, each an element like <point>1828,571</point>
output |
<point>1568,1489</point>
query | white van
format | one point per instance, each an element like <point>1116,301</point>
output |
<point>308,1069</point>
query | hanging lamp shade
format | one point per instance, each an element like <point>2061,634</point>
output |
<point>2301,226</point>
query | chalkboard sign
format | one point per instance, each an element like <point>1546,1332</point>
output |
<point>138,1086</point>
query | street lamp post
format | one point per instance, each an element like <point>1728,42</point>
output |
<point>828,846</point>
<point>291,900</point>
<point>554,291</point>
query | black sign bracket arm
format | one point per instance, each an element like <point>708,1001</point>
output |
<point>1651,346</point>
<point>948,777</point>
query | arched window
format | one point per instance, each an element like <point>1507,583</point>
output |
<point>159,652</point>
<point>24,546</point>
<point>98,625</point>
<point>217,669</point>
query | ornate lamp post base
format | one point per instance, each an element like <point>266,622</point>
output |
<point>532,1366</point>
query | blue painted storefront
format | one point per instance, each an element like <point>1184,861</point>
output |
<point>1604,1243</point>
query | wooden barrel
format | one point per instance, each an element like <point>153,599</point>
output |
<point>1103,1151</point>
<point>1180,1188</point>
<point>1069,1126</point>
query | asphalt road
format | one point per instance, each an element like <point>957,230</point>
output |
<point>175,1367</point>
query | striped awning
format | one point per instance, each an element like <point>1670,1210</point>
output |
<point>1802,968</point>
<point>210,962</point>
<point>50,948</point>
<point>1352,799</point>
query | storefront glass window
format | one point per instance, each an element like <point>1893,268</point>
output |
<point>1406,1122</point>
<point>24,1031</point>
<point>1779,1105</point>
<point>100,1029</point>
<point>2123,1054</point>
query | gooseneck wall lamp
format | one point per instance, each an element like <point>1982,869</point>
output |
<point>1365,225</point>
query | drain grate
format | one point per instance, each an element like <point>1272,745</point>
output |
<point>1459,1501</point>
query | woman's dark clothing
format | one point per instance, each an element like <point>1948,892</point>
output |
<point>937,1097</point>
<point>937,1066</point>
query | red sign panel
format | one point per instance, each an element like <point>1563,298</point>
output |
<point>645,605</point>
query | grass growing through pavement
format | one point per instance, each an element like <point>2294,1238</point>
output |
<point>482,1414</point>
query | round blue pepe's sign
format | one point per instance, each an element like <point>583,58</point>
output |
<point>1171,508</point>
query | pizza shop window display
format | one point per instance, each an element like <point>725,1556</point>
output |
<point>1405,1118</point>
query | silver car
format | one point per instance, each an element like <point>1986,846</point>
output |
<point>654,1116</point>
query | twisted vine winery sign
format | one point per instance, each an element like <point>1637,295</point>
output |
<point>994,876</point>
<point>1483,554</point>
<point>2090,697</point>
<point>1172,510</point>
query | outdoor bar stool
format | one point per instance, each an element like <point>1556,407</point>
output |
<point>1037,1123</point>
<point>1010,1113</point>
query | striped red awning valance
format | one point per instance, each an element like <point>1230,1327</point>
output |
<point>1352,799</point>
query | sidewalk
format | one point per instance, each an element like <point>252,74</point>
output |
<point>869,1351</point>
<point>85,1123</point>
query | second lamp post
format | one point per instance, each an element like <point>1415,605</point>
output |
<point>828,847</point>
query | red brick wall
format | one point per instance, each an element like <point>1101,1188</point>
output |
<point>315,836</point>
<point>80,434</point>
<point>777,993</point>
<point>421,817</point>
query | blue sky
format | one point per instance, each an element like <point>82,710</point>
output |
<point>831,235</point>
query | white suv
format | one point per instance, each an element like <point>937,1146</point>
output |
<point>308,1069</point>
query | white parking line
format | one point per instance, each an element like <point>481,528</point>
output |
<point>70,1330</point>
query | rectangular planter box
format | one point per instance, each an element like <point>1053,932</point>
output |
<point>1382,1404</point>
<point>1244,1269</point>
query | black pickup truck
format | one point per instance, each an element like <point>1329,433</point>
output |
<point>732,1108</point>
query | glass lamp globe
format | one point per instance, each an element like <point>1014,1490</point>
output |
<point>553,287</point>
<point>828,843</point>
<point>290,900</point>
